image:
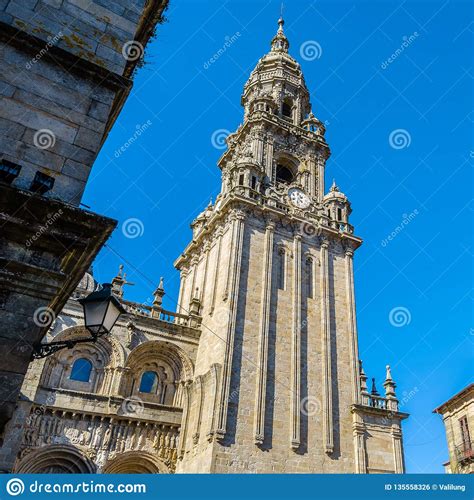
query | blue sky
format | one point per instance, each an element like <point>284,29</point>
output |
<point>400,131</point>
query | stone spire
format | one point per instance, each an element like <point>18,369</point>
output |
<point>158,295</point>
<point>363,379</point>
<point>374,391</point>
<point>119,281</point>
<point>280,42</point>
<point>389,386</point>
<point>334,187</point>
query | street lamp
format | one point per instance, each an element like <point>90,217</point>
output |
<point>101,311</point>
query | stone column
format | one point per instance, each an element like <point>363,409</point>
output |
<point>295,417</point>
<point>269,159</point>
<point>313,176</point>
<point>358,428</point>
<point>185,419</point>
<point>328,438</point>
<point>194,264</point>
<point>207,249</point>
<point>320,163</point>
<point>182,289</point>
<point>262,363</point>
<point>198,392</point>
<point>396,434</point>
<point>234,280</point>
<point>352,326</point>
<point>216,270</point>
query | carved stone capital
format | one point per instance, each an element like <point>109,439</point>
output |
<point>324,242</point>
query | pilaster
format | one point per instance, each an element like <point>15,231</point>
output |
<point>261,388</point>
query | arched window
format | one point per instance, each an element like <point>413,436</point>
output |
<point>149,382</point>
<point>81,370</point>
<point>284,174</point>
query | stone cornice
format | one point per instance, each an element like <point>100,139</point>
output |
<point>378,412</point>
<point>233,201</point>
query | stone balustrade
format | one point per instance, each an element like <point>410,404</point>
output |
<point>379,402</point>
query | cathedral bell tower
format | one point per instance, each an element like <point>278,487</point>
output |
<point>270,267</point>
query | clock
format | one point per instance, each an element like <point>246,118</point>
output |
<point>299,198</point>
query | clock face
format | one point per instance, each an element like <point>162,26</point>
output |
<point>299,198</point>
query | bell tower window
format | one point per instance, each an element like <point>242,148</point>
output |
<point>286,109</point>
<point>284,174</point>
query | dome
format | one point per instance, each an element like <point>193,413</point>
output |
<point>335,193</point>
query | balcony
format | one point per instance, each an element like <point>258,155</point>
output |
<point>464,452</point>
<point>379,402</point>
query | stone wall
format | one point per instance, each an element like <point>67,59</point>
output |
<point>461,454</point>
<point>66,68</point>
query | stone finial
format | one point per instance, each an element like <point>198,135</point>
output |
<point>119,281</point>
<point>389,385</point>
<point>374,391</point>
<point>363,379</point>
<point>195,308</point>
<point>280,42</point>
<point>195,305</point>
<point>334,187</point>
<point>160,284</point>
<point>158,295</point>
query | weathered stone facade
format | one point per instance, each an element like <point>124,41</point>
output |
<point>458,419</point>
<point>66,72</point>
<point>261,360</point>
<point>105,424</point>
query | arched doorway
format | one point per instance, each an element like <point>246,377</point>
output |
<point>55,460</point>
<point>135,462</point>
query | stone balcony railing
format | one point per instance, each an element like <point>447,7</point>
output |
<point>161,314</point>
<point>464,452</point>
<point>379,402</point>
<point>100,437</point>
